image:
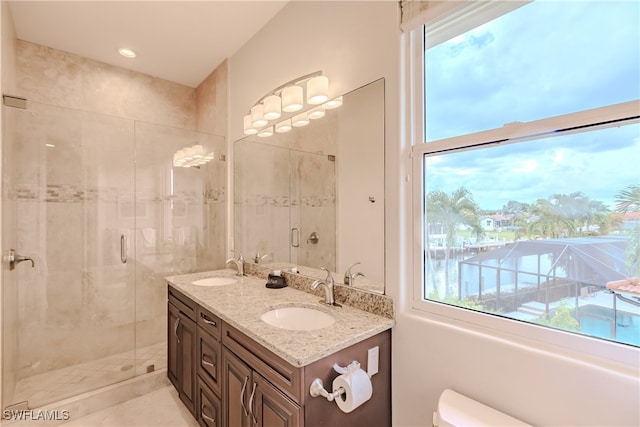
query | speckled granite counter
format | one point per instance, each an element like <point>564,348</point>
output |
<point>241,305</point>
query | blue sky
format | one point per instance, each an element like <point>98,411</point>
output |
<point>544,59</point>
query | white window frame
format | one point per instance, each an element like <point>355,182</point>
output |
<point>609,355</point>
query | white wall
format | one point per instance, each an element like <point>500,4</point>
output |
<point>353,43</point>
<point>358,42</point>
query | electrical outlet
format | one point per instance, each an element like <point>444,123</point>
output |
<point>372,361</point>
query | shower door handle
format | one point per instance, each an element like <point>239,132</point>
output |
<point>13,258</point>
<point>295,237</point>
<point>123,248</point>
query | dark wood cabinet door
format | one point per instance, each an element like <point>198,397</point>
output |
<point>209,412</point>
<point>236,389</point>
<point>172,344</point>
<point>271,408</point>
<point>187,361</point>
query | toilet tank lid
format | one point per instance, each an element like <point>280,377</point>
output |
<point>455,409</point>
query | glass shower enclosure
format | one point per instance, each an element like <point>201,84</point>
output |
<point>94,202</point>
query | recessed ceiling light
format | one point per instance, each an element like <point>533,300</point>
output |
<point>127,53</point>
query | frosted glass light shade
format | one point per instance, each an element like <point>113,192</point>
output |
<point>198,151</point>
<point>317,90</point>
<point>257,116</point>
<point>292,99</point>
<point>272,106</point>
<point>266,132</point>
<point>316,113</point>
<point>334,103</point>
<point>300,120</point>
<point>283,126</point>
<point>249,129</point>
<point>188,154</point>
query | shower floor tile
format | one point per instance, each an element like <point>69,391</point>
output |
<point>63,383</point>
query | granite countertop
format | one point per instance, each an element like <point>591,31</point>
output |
<point>241,305</point>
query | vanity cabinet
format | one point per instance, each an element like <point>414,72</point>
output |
<point>181,342</point>
<point>228,379</point>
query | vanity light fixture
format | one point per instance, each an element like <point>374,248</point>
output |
<point>287,99</point>
<point>127,53</point>
<point>283,126</point>
<point>249,129</point>
<point>191,156</point>
<point>317,90</point>
<point>257,116</point>
<point>300,120</point>
<point>266,132</point>
<point>292,99</point>
<point>333,103</point>
<point>316,113</point>
<point>272,107</point>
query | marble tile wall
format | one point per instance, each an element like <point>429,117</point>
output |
<point>54,77</point>
<point>286,182</point>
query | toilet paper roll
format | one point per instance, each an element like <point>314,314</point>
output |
<point>358,389</point>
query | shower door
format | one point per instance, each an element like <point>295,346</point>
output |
<point>313,208</point>
<point>285,204</point>
<point>68,203</point>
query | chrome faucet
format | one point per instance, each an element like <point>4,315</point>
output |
<point>239,262</point>
<point>257,258</point>
<point>328,287</point>
<point>349,277</point>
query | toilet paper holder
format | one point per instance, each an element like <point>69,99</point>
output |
<point>317,389</point>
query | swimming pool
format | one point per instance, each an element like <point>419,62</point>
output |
<point>599,322</point>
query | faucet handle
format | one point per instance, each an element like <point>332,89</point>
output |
<point>348,272</point>
<point>257,258</point>
<point>240,257</point>
<point>329,278</point>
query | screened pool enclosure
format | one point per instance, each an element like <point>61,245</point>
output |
<point>529,280</point>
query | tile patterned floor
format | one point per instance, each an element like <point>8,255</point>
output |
<point>160,408</point>
<point>48,387</point>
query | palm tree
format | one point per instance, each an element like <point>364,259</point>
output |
<point>449,211</point>
<point>628,200</point>
<point>546,220</point>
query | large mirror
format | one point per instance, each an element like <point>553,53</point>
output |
<point>314,196</point>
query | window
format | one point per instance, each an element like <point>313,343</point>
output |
<point>527,188</point>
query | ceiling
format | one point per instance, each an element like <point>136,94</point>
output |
<point>180,41</point>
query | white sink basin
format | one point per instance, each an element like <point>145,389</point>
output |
<point>298,318</point>
<point>215,281</point>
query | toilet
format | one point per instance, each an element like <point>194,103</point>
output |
<point>456,410</point>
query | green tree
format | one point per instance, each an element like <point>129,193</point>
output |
<point>545,220</point>
<point>567,215</point>
<point>562,319</point>
<point>449,211</point>
<point>628,200</point>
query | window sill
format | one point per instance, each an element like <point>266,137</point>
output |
<point>620,358</point>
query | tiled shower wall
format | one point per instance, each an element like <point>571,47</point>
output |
<point>288,182</point>
<point>105,173</point>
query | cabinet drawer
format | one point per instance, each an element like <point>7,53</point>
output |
<point>276,370</point>
<point>182,303</point>
<point>209,362</point>
<point>209,410</point>
<point>209,322</point>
